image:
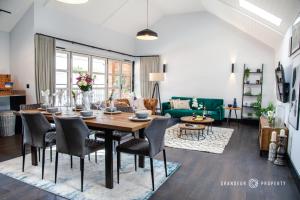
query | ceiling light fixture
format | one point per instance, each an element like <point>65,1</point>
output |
<point>147,34</point>
<point>260,12</point>
<point>73,1</point>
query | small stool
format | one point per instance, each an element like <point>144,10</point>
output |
<point>7,123</point>
<point>192,127</point>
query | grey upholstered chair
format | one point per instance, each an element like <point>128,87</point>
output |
<point>154,144</point>
<point>37,133</point>
<point>72,139</point>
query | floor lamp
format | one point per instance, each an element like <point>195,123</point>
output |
<point>156,77</point>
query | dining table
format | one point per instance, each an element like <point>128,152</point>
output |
<point>108,123</point>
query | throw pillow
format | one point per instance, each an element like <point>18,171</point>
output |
<point>182,104</point>
<point>139,104</point>
<point>172,102</point>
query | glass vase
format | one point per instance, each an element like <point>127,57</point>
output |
<point>86,100</point>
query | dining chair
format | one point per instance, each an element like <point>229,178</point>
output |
<point>118,136</point>
<point>37,133</point>
<point>154,144</point>
<point>72,139</point>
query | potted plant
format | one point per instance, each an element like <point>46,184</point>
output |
<point>246,74</point>
<point>85,83</point>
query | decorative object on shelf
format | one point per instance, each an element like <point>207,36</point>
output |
<point>234,103</point>
<point>272,147</point>
<point>232,68</point>
<point>229,105</point>
<point>85,84</point>
<point>281,150</point>
<point>246,74</point>
<point>194,103</point>
<point>258,70</point>
<point>8,85</point>
<point>257,82</point>
<point>156,77</point>
<point>295,39</point>
<point>164,68</point>
<point>295,95</point>
<point>4,87</point>
<point>147,34</point>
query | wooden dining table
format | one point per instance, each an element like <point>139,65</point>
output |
<point>106,123</point>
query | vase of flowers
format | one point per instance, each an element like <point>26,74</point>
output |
<point>85,84</point>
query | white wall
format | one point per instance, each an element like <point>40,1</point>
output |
<point>282,55</point>
<point>22,55</point>
<point>199,49</point>
<point>4,53</point>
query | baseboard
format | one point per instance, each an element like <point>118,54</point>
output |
<point>294,173</point>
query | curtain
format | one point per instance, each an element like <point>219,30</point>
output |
<point>44,65</point>
<point>148,65</point>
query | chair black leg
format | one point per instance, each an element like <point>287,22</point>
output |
<point>82,172</point>
<point>152,173</point>
<point>50,153</point>
<point>71,159</point>
<point>135,167</point>
<point>56,163</point>
<point>23,152</point>
<point>95,156</point>
<point>39,154</point>
<point>165,162</point>
<point>119,142</point>
<point>118,166</point>
<point>43,162</point>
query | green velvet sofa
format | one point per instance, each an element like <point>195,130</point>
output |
<point>214,107</point>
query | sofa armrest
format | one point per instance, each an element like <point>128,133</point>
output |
<point>221,111</point>
<point>165,106</point>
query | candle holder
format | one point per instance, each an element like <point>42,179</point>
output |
<point>272,147</point>
<point>281,151</point>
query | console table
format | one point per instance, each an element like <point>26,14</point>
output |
<point>265,133</point>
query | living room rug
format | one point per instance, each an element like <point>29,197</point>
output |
<point>213,143</point>
<point>133,185</point>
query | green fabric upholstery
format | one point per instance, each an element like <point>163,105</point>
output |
<point>214,108</point>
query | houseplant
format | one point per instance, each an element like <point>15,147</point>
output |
<point>247,74</point>
<point>85,84</point>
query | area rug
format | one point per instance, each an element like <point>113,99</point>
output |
<point>213,143</point>
<point>133,185</point>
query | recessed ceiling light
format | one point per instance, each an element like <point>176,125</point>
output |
<point>73,1</point>
<point>260,12</point>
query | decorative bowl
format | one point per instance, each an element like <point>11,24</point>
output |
<point>86,113</point>
<point>78,106</point>
<point>52,110</point>
<point>229,105</point>
<point>111,109</point>
<point>142,114</point>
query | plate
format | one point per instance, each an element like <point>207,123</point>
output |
<point>135,119</point>
<point>116,112</point>
<point>89,117</point>
<point>47,113</point>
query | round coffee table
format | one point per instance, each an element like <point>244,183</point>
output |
<point>207,121</point>
<point>192,127</point>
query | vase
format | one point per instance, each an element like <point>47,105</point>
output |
<point>86,100</point>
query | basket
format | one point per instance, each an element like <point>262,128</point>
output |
<point>7,123</point>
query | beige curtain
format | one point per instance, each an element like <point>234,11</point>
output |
<point>148,65</point>
<point>44,65</point>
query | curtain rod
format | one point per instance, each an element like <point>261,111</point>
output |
<point>94,47</point>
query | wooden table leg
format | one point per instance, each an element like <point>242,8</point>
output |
<point>34,160</point>
<point>109,176</point>
<point>141,158</point>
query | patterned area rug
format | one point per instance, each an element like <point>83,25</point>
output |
<point>133,185</point>
<point>213,143</point>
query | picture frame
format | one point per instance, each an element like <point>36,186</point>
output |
<point>295,39</point>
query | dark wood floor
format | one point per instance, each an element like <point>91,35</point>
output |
<point>199,177</point>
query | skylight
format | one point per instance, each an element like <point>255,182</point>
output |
<point>260,12</point>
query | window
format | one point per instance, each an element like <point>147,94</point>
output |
<point>260,12</point>
<point>109,74</point>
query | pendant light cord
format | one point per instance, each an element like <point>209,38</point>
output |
<point>147,13</point>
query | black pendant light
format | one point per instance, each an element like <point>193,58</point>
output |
<point>147,34</point>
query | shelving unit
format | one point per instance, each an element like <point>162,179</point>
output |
<point>283,88</point>
<point>249,98</point>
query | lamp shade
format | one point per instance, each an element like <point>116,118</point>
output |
<point>156,77</point>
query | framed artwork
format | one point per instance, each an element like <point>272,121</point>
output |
<point>295,95</point>
<point>295,39</point>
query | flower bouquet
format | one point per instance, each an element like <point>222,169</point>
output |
<point>85,83</point>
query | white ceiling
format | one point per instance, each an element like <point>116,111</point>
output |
<point>129,16</point>
<point>17,9</point>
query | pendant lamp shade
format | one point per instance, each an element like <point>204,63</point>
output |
<point>147,34</point>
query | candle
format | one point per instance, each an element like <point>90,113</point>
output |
<point>282,132</point>
<point>274,135</point>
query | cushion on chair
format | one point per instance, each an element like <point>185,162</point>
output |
<point>134,146</point>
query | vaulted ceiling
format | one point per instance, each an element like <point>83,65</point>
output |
<point>129,16</point>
